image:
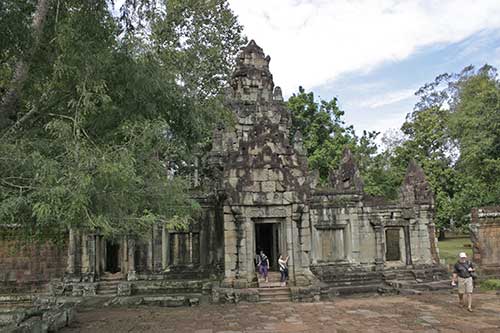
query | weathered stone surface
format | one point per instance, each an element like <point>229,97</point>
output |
<point>167,301</point>
<point>415,188</point>
<point>29,267</point>
<point>347,177</point>
<point>58,317</point>
<point>485,236</point>
<point>41,316</point>
<point>14,316</point>
<point>124,289</point>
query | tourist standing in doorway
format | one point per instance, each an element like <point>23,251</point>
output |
<point>283,263</point>
<point>263,265</point>
<point>463,272</point>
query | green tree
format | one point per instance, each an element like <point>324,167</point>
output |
<point>325,134</point>
<point>475,126</point>
<point>453,133</point>
<point>110,120</point>
<point>322,128</point>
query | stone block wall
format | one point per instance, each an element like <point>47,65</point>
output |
<point>485,235</point>
<point>30,267</point>
<point>354,234</point>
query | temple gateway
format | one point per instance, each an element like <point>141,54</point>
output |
<point>260,195</point>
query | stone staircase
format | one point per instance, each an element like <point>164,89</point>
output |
<point>108,284</point>
<point>392,280</point>
<point>342,283</point>
<point>272,291</point>
<point>415,281</point>
<point>273,278</point>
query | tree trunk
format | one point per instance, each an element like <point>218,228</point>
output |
<point>9,100</point>
<point>442,234</point>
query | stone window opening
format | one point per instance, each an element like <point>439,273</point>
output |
<point>184,249</point>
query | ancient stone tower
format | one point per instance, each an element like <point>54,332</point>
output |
<point>262,174</point>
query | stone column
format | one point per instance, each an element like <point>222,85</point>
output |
<point>306,242</point>
<point>407,245</point>
<point>241,225</point>
<point>174,239</point>
<point>85,254</point>
<point>433,242</point>
<point>164,248</point>
<point>291,248</point>
<point>70,269</point>
<point>97,254</point>
<point>190,247</point>
<point>379,246</point>
<point>124,255</point>
<point>101,254</point>
<point>230,248</point>
<point>150,264</point>
<point>204,244</point>
<point>91,254</point>
<point>157,248</point>
<point>131,274</point>
<point>246,249</point>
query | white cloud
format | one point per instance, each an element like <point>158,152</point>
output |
<point>387,98</point>
<point>313,42</point>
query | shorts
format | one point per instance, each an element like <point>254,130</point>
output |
<point>465,286</point>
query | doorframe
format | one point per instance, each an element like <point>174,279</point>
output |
<point>278,231</point>
<point>101,254</point>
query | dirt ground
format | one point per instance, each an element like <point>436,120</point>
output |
<point>429,312</point>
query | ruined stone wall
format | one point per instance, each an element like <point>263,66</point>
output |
<point>340,231</point>
<point>349,237</point>
<point>413,222</point>
<point>29,267</point>
<point>353,233</point>
<point>194,252</point>
<point>485,235</point>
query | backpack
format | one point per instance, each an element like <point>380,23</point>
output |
<point>467,265</point>
<point>263,260</point>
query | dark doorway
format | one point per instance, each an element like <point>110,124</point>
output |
<point>112,257</point>
<point>392,252</point>
<point>267,240</point>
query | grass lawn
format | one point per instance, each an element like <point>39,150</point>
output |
<point>450,248</point>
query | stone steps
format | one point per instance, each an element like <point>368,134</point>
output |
<point>270,284</point>
<point>420,286</point>
<point>356,289</point>
<point>157,300</point>
<point>111,277</point>
<point>273,291</point>
<point>273,278</point>
<point>108,287</point>
<point>275,294</point>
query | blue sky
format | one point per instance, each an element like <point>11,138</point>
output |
<point>381,98</point>
<point>371,54</point>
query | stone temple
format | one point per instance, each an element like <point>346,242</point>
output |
<point>258,194</point>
